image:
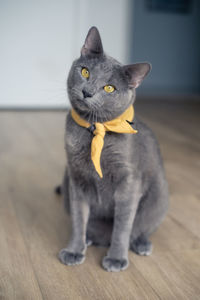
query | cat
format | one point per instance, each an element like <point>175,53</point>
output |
<point>124,207</point>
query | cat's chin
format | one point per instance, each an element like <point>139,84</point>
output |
<point>83,106</point>
<point>83,110</point>
<point>79,105</point>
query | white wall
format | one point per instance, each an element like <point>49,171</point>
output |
<point>40,38</point>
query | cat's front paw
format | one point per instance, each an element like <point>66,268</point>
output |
<point>70,258</point>
<point>114,265</point>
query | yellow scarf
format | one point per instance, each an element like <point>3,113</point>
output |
<point>119,125</point>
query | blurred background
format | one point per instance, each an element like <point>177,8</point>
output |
<point>41,38</point>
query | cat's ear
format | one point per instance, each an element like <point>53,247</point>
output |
<point>136,73</point>
<point>93,45</point>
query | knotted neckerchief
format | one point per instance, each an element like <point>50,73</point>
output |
<point>121,124</point>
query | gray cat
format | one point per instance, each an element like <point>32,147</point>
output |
<point>122,209</point>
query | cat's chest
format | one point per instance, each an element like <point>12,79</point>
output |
<point>78,146</point>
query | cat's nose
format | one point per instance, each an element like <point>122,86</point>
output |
<point>86,94</point>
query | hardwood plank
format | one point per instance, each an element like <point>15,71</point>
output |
<point>173,275</point>
<point>172,236</point>
<point>17,278</point>
<point>185,209</point>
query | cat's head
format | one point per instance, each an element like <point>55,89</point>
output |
<point>99,87</point>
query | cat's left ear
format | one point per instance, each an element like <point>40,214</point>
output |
<point>136,73</point>
<point>93,45</point>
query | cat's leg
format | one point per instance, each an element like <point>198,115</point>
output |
<point>141,245</point>
<point>125,210</point>
<point>65,191</point>
<point>150,213</point>
<point>74,253</point>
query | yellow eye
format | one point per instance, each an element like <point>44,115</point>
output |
<point>85,73</point>
<point>109,88</point>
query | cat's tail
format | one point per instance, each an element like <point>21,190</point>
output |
<point>58,190</point>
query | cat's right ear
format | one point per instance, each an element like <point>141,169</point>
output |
<point>135,73</point>
<point>93,45</point>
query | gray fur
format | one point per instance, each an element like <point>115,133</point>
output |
<point>126,206</point>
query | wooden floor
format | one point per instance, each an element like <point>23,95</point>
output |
<point>34,226</point>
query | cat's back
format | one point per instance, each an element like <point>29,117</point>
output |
<point>144,131</point>
<point>146,149</point>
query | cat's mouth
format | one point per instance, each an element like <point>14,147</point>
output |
<point>83,104</point>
